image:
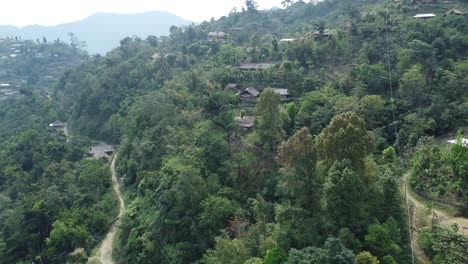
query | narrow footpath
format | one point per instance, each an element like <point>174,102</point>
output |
<point>444,219</point>
<point>104,253</point>
<point>417,216</point>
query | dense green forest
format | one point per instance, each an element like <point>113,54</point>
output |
<point>374,94</point>
<point>52,200</point>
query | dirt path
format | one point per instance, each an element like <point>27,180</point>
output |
<point>65,132</point>
<point>104,254</point>
<point>443,218</point>
<point>419,218</point>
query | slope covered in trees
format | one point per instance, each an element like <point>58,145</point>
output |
<point>316,176</point>
<point>52,200</point>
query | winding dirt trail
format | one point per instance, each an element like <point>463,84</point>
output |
<point>65,132</point>
<point>104,254</point>
<point>417,215</point>
<point>443,218</point>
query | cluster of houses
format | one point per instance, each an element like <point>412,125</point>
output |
<point>101,151</point>
<point>14,45</point>
<point>329,32</point>
<point>8,91</point>
<point>251,94</point>
<point>431,15</point>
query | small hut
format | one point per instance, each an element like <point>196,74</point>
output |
<point>102,152</point>
<point>233,86</point>
<point>216,36</point>
<point>454,12</point>
<point>424,16</point>
<point>255,66</point>
<point>463,142</point>
<point>284,93</point>
<point>56,124</point>
<point>249,93</point>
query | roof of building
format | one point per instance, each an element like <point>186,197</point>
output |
<point>236,29</point>
<point>454,11</point>
<point>251,91</point>
<point>464,141</point>
<point>232,85</point>
<point>101,151</point>
<point>216,34</point>
<point>256,66</point>
<point>288,40</point>
<point>281,91</point>
<point>424,16</point>
<point>56,123</point>
<point>326,32</point>
<point>6,90</point>
<point>11,93</point>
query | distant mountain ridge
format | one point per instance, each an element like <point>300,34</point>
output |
<point>101,31</point>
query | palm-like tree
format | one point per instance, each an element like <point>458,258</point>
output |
<point>286,3</point>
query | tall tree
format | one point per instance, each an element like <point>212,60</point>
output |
<point>345,138</point>
<point>298,156</point>
<point>268,123</point>
<point>345,194</point>
<point>251,6</point>
<point>414,87</point>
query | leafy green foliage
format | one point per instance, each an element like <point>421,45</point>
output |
<point>366,258</point>
<point>365,88</point>
<point>332,252</point>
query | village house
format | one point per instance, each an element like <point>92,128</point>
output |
<point>103,151</point>
<point>463,141</point>
<point>245,122</point>
<point>8,92</point>
<point>255,66</point>
<point>249,93</point>
<point>326,33</point>
<point>311,35</point>
<point>45,94</point>
<point>287,40</point>
<point>233,86</point>
<point>255,26</point>
<point>284,93</point>
<point>235,29</point>
<point>453,12</point>
<point>56,124</point>
<point>217,36</point>
<point>424,16</point>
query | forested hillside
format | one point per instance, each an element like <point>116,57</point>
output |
<point>28,72</point>
<point>52,200</point>
<point>273,137</point>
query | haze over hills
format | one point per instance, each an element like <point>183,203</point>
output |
<point>102,31</point>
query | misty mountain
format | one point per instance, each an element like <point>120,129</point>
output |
<point>101,31</point>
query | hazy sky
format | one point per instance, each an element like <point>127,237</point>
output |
<point>52,12</point>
